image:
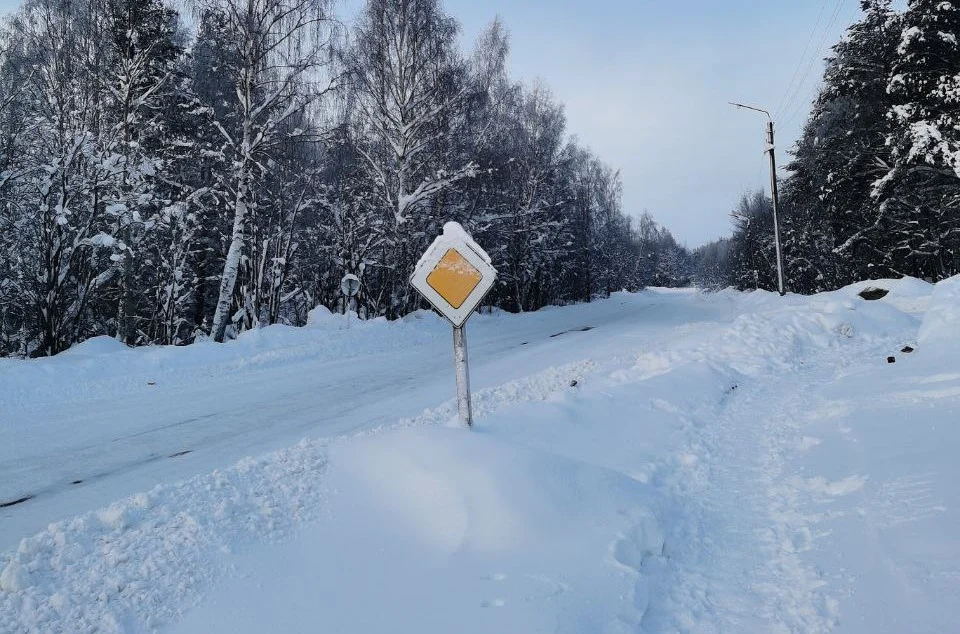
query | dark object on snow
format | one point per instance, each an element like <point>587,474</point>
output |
<point>4,505</point>
<point>573,383</point>
<point>872,293</point>
<point>584,329</point>
<point>180,453</point>
<point>908,349</point>
<point>891,359</point>
<point>151,382</point>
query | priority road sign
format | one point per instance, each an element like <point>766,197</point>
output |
<point>350,285</point>
<point>454,278</point>
<point>455,275</point>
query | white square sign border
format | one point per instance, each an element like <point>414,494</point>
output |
<point>439,248</point>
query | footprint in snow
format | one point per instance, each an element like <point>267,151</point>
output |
<point>493,603</point>
<point>828,488</point>
<point>633,551</point>
<point>808,442</point>
<point>907,499</point>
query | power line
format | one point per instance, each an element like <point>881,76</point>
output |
<point>798,88</point>
<point>803,56</point>
<point>801,104</point>
<point>817,53</point>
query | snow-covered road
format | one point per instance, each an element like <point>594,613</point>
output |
<point>116,421</point>
<point>726,462</point>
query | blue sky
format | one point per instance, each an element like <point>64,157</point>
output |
<point>646,85</point>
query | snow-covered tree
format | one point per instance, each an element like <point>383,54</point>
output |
<point>922,188</point>
<point>277,63</point>
<point>141,73</point>
<point>412,87</point>
<point>413,93</point>
<point>528,216</point>
<point>161,183</point>
<point>832,226</point>
<point>752,254</point>
<point>59,198</point>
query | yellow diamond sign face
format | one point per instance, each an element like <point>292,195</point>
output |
<point>454,278</point>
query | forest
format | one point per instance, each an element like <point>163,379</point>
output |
<point>170,173</point>
<point>873,185</point>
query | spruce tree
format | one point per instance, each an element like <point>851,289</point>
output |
<point>922,188</point>
<point>833,224</point>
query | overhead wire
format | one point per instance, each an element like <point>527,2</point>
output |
<point>793,103</point>
<point>803,57</point>
<point>804,102</point>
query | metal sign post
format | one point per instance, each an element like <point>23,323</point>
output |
<point>454,275</point>
<point>464,406</point>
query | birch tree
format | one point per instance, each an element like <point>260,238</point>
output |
<point>61,177</point>
<point>413,90</point>
<point>279,54</point>
<point>410,77</point>
<point>531,215</point>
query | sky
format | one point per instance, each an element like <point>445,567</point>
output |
<point>646,84</point>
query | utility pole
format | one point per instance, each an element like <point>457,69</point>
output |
<point>774,194</point>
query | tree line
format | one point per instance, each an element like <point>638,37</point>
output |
<point>873,189</point>
<point>168,177</point>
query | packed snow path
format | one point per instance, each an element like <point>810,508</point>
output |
<point>659,462</point>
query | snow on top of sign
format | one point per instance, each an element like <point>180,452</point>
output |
<point>455,231</point>
<point>453,234</point>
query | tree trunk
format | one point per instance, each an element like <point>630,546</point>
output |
<point>127,328</point>
<point>231,266</point>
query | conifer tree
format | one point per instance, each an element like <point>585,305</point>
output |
<point>921,191</point>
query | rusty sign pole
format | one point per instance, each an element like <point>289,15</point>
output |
<point>464,407</point>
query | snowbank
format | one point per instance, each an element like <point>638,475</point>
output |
<point>446,531</point>
<point>941,323</point>
<point>112,365</point>
<point>146,560</point>
<point>141,561</point>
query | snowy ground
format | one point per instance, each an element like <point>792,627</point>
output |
<point>724,463</point>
